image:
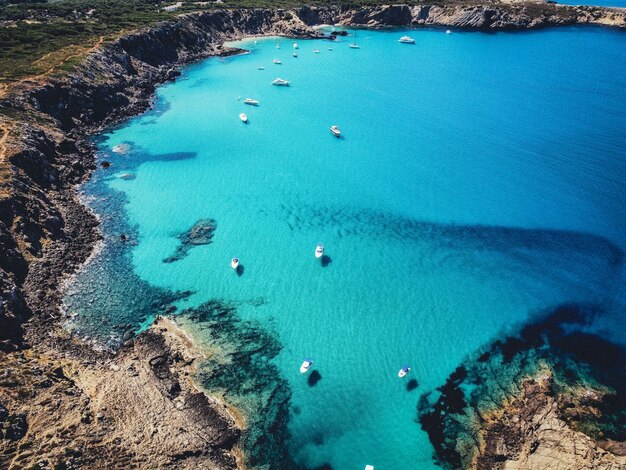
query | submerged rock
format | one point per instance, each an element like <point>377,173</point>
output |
<point>200,234</point>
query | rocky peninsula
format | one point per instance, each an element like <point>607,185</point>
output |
<point>64,404</point>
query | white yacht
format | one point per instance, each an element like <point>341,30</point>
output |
<point>295,45</point>
<point>319,251</point>
<point>243,118</point>
<point>335,131</point>
<point>405,370</point>
<point>277,61</point>
<point>234,263</point>
<point>406,40</point>
<point>306,365</point>
<point>251,102</point>
<point>354,44</point>
<point>280,82</point>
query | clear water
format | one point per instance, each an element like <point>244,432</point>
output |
<point>601,3</point>
<point>480,180</point>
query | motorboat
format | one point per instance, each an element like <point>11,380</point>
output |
<point>335,131</point>
<point>330,48</point>
<point>369,467</point>
<point>405,370</point>
<point>243,118</point>
<point>306,365</point>
<point>280,82</point>
<point>319,250</point>
<point>406,40</point>
<point>295,54</point>
<point>277,61</point>
<point>448,31</point>
<point>251,102</point>
<point>234,263</point>
<point>260,67</point>
<point>295,45</point>
<point>316,51</point>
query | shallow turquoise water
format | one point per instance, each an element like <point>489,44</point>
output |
<point>480,181</point>
<point>602,3</point>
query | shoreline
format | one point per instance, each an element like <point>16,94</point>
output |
<point>52,155</point>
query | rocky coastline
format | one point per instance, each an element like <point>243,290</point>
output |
<point>46,234</point>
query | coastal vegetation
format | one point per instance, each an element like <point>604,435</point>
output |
<point>39,38</point>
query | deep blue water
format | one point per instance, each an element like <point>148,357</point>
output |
<point>480,180</point>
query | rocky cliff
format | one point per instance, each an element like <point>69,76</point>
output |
<point>45,233</point>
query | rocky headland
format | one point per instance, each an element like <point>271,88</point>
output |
<point>551,396</point>
<point>66,405</point>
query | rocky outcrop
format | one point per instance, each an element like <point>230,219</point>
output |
<point>491,16</point>
<point>529,432</point>
<point>549,397</point>
<point>137,409</point>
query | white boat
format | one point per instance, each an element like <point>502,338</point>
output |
<point>330,48</point>
<point>280,82</point>
<point>319,251</point>
<point>354,44</point>
<point>406,40</point>
<point>243,118</point>
<point>277,61</point>
<point>335,130</point>
<point>405,370</point>
<point>234,263</point>
<point>306,365</point>
<point>448,31</point>
<point>316,51</point>
<point>369,467</point>
<point>295,54</point>
<point>260,68</point>
<point>251,102</point>
<point>295,45</point>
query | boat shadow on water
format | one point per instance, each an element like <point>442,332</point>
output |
<point>326,260</point>
<point>240,269</point>
<point>314,378</point>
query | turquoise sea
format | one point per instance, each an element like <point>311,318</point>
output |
<point>480,180</point>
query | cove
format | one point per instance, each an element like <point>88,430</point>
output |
<point>479,181</point>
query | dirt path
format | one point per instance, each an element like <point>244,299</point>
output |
<point>69,57</point>
<point>5,87</point>
<point>3,147</point>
